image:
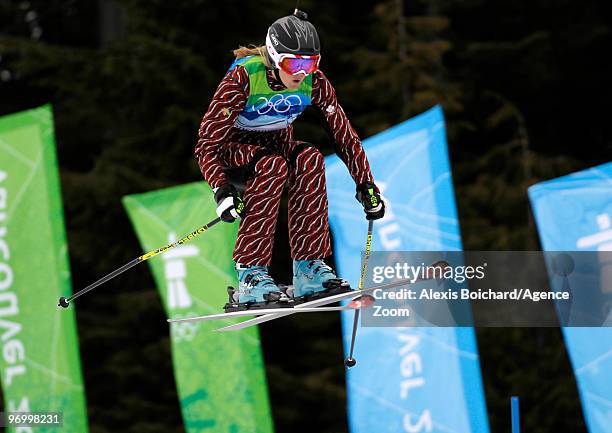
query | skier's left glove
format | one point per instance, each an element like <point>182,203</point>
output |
<point>369,197</point>
<point>230,205</point>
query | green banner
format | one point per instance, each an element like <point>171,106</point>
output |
<point>220,376</point>
<point>39,361</point>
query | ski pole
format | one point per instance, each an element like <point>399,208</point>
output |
<point>350,361</point>
<point>64,302</point>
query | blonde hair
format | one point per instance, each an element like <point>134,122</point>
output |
<point>253,50</point>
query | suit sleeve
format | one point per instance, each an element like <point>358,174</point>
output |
<point>347,143</point>
<point>227,103</point>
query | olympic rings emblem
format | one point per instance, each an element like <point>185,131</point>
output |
<point>279,103</point>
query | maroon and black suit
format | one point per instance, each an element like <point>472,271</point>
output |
<point>279,160</point>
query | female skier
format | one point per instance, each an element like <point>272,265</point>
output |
<point>249,123</point>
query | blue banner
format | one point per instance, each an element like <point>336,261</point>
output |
<point>406,379</point>
<point>574,213</point>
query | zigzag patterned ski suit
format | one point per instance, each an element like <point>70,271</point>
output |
<point>238,130</point>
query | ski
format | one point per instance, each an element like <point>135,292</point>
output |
<point>259,312</point>
<point>356,294</point>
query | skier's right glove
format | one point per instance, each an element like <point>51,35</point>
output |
<point>230,205</point>
<point>369,197</point>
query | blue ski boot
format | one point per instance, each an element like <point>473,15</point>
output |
<point>314,279</point>
<point>256,289</point>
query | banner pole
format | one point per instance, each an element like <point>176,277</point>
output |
<point>514,411</point>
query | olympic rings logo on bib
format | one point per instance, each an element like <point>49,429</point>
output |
<point>279,103</point>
